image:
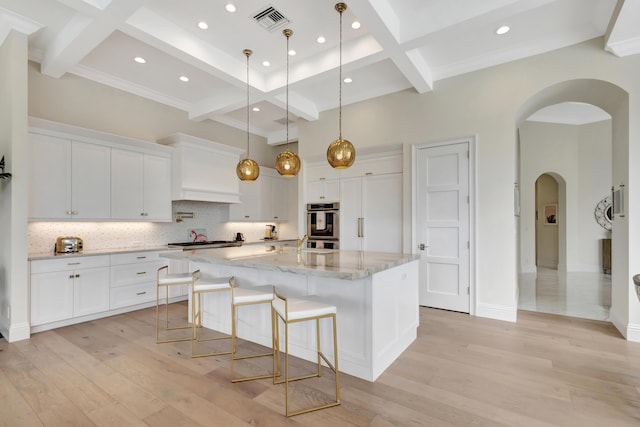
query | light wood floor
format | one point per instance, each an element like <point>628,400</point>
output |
<point>546,370</point>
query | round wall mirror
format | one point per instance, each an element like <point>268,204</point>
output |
<point>604,213</point>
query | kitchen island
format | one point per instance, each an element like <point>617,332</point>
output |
<point>376,295</point>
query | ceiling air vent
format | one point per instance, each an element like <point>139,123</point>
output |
<point>270,18</point>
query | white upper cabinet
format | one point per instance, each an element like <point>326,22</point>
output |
<point>266,199</point>
<point>140,186</point>
<point>203,170</point>
<point>69,179</point>
<point>81,174</point>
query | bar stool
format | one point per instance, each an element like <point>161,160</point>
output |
<point>243,297</point>
<point>166,279</point>
<point>203,286</point>
<point>292,310</point>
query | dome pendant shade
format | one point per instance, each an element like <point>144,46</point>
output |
<point>288,164</point>
<point>247,170</point>
<point>341,153</point>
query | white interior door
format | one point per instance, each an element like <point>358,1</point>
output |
<point>443,226</point>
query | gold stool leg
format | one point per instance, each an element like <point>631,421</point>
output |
<point>234,357</point>
<point>197,329</point>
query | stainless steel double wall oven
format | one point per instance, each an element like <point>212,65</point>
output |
<point>323,225</point>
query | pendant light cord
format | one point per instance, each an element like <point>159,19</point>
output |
<point>288,34</point>
<point>247,52</point>
<point>340,74</point>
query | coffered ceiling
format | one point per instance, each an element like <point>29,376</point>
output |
<point>400,44</point>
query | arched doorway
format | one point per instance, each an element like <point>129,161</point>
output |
<point>580,238</point>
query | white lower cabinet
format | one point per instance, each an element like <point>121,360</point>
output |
<point>71,289</point>
<point>133,278</point>
<point>62,289</point>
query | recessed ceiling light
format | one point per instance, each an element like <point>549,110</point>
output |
<point>230,7</point>
<point>139,60</point>
<point>203,25</point>
<point>347,80</point>
<point>355,25</point>
<point>266,64</point>
<point>292,52</point>
<point>321,40</point>
<point>184,78</point>
<point>503,30</point>
<point>256,109</point>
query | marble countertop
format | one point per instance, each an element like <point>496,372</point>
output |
<point>349,265</point>
<point>93,252</point>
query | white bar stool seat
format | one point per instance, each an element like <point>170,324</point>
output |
<point>241,297</point>
<point>293,310</point>
<point>202,286</point>
<point>166,279</point>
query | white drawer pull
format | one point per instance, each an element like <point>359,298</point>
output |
<point>141,293</point>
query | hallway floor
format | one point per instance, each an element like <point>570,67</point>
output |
<point>576,294</point>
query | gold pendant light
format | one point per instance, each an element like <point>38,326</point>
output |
<point>287,162</point>
<point>341,153</point>
<point>247,169</point>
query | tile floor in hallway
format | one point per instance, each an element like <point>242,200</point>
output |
<point>576,294</point>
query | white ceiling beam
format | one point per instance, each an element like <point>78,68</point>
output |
<point>623,35</point>
<point>413,66</point>
<point>83,33</point>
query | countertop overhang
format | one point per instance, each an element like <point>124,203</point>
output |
<point>340,264</point>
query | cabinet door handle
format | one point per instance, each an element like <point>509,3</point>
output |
<point>141,257</point>
<point>71,276</point>
<point>246,216</point>
<point>77,275</point>
<point>141,293</point>
<point>73,263</point>
<point>74,212</point>
<point>141,272</point>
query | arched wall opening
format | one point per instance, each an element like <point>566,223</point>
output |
<point>615,101</point>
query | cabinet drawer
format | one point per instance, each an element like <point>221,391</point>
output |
<point>125,296</point>
<point>68,263</point>
<point>127,274</point>
<point>136,257</point>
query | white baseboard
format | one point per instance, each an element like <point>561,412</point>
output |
<point>618,323</point>
<point>498,312</point>
<point>15,332</point>
<point>633,332</point>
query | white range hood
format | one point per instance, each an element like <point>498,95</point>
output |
<point>203,170</point>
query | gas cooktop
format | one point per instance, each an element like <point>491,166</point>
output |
<point>207,245</point>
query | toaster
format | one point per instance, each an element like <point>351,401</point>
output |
<point>68,244</point>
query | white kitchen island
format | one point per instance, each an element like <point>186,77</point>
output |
<point>376,295</point>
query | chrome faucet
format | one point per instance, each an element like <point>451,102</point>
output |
<point>301,242</point>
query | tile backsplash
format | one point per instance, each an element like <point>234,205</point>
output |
<point>212,218</point>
